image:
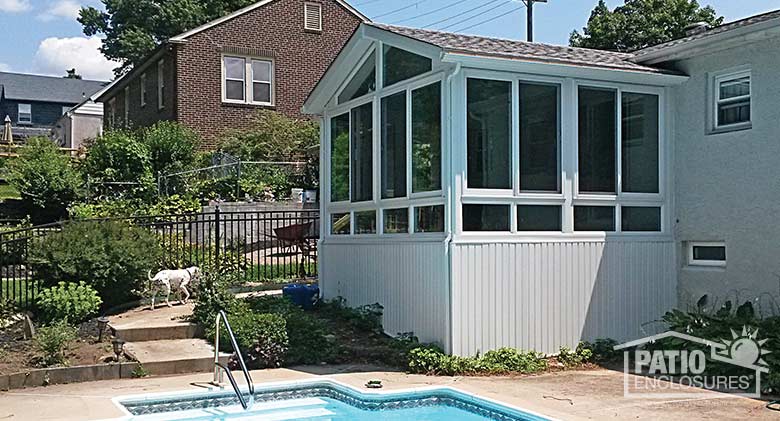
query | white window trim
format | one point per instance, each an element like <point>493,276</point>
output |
<point>19,113</point>
<point>306,6</point>
<point>112,112</point>
<point>143,89</point>
<point>161,84</point>
<point>715,79</point>
<point>248,81</point>
<point>127,106</point>
<point>706,263</point>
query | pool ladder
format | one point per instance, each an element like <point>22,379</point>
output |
<point>220,368</point>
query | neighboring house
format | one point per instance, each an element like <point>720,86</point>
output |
<point>34,103</point>
<point>216,77</point>
<point>79,124</point>
<point>492,193</point>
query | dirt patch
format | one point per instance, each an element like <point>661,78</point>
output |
<point>19,355</point>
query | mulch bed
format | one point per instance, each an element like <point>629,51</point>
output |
<point>19,355</point>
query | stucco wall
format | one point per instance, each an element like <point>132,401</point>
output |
<point>727,186</point>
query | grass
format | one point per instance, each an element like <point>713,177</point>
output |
<point>8,191</point>
<point>14,290</point>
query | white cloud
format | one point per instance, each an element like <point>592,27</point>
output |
<point>67,9</point>
<point>5,67</point>
<point>15,6</point>
<point>56,55</point>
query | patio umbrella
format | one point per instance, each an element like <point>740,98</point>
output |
<point>8,137</point>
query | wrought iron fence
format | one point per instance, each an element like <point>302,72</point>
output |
<point>260,246</point>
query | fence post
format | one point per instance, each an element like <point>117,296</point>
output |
<point>217,234</point>
<point>238,183</point>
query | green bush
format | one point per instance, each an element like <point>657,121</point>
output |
<point>272,137</point>
<point>45,178</point>
<point>171,205</point>
<point>432,361</point>
<point>365,318</point>
<point>171,147</point>
<point>603,350</point>
<point>575,358</point>
<point>52,342</point>
<point>111,256</point>
<point>119,157</point>
<point>213,295</point>
<point>271,342</point>
<point>68,301</point>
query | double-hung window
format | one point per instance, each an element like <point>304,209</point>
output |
<point>25,114</point>
<point>731,93</point>
<point>143,89</point>
<point>247,80</point>
<point>161,84</point>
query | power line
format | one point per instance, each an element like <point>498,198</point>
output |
<point>398,10</point>
<point>489,20</point>
<point>470,18</point>
<point>463,13</point>
<point>431,12</point>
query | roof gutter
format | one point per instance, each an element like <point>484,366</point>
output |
<point>709,44</point>
<point>124,79</point>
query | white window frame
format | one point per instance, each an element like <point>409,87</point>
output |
<point>306,6</point>
<point>20,112</point>
<point>127,106</point>
<point>161,84</point>
<point>112,112</point>
<point>707,263</point>
<point>249,81</point>
<point>143,89</point>
<point>715,80</point>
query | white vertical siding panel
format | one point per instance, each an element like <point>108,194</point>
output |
<point>408,279</point>
<point>545,295</point>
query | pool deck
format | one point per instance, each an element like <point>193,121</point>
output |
<point>573,395</point>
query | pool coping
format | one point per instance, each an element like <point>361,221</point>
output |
<point>339,386</point>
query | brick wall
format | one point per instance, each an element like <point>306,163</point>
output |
<point>300,59</point>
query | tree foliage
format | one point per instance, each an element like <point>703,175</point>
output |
<point>119,157</point>
<point>133,29</point>
<point>641,23</point>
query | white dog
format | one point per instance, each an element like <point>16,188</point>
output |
<point>174,278</point>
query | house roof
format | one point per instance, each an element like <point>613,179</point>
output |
<point>25,87</point>
<point>520,50</point>
<point>716,34</point>
<point>182,37</point>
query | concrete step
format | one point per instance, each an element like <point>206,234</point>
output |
<point>174,356</point>
<point>163,323</point>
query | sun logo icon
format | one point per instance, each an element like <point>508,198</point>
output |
<point>745,349</point>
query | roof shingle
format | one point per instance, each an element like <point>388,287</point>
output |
<point>26,87</point>
<point>521,50</point>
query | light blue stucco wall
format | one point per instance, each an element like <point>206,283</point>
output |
<point>727,186</point>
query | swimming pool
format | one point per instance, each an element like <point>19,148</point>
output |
<point>322,400</point>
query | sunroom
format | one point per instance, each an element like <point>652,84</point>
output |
<point>495,193</point>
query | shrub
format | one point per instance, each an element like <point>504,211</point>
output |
<point>45,178</point>
<point>603,350</point>
<point>365,318</point>
<point>111,256</point>
<point>575,358</point>
<point>432,361</point>
<point>118,156</point>
<point>171,147</point>
<point>511,360</point>
<point>52,342</point>
<point>68,301</point>
<point>272,137</point>
<point>171,205</point>
<point>271,342</point>
<point>213,296</point>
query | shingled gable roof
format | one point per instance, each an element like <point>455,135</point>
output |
<point>26,87</point>
<point>520,50</point>
<point>183,37</point>
<point>657,52</point>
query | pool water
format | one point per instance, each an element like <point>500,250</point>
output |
<point>325,401</point>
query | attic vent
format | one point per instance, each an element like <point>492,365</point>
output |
<point>312,19</point>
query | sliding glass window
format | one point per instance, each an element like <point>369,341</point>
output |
<point>393,157</point>
<point>539,137</point>
<point>339,158</point>
<point>639,143</point>
<point>597,140</point>
<point>426,138</point>
<point>489,126</point>
<point>362,153</point>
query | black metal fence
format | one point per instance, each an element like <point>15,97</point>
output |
<point>260,246</point>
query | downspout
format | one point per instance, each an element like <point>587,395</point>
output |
<point>448,239</point>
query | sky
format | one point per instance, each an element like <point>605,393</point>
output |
<point>43,36</point>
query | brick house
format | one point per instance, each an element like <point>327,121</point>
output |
<point>215,77</point>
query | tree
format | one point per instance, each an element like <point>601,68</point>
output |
<point>133,29</point>
<point>641,23</point>
<point>72,74</point>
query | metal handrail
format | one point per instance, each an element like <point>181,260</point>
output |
<point>219,367</point>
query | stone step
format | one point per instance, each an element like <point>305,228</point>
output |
<point>174,356</point>
<point>164,323</point>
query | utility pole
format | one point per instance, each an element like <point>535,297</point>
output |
<point>529,6</point>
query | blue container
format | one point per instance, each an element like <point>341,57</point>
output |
<point>303,295</point>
